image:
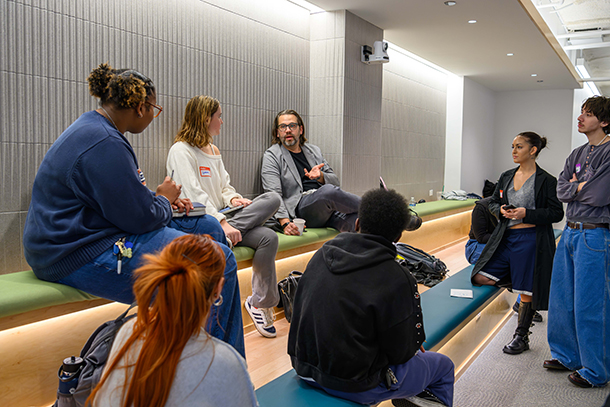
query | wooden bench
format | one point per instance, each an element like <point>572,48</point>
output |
<point>49,321</point>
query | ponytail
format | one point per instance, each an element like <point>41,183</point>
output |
<point>174,291</point>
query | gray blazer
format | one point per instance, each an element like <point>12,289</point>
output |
<point>279,174</point>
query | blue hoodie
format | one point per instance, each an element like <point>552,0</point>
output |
<point>88,192</point>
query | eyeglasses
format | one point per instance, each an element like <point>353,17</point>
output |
<point>292,126</point>
<point>156,107</point>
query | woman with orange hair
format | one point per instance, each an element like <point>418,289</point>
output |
<point>165,356</point>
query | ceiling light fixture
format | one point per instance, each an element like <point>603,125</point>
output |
<point>472,21</point>
<point>510,54</point>
<point>450,3</point>
<point>584,73</point>
<point>534,74</point>
<point>307,5</point>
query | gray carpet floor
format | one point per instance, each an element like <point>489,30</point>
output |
<point>496,379</point>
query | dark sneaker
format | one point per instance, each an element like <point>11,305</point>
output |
<point>553,364</point>
<point>579,381</point>
<point>423,399</point>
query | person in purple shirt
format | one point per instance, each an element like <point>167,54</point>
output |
<point>579,308</point>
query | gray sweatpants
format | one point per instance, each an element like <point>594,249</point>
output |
<point>264,241</point>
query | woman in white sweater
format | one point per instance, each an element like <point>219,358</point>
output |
<point>164,357</point>
<point>197,165</point>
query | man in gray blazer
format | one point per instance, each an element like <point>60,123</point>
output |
<point>308,186</point>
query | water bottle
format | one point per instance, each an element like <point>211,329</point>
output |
<point>69,373</point>
<point>412,202</point>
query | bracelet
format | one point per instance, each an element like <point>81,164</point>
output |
<point>284,225</point>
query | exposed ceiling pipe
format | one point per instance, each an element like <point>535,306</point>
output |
<point>587,46</point>
<point>601,79</point>
<point>550,4</point>
<point>584,34</point>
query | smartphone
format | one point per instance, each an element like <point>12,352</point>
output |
<point>509,206</point>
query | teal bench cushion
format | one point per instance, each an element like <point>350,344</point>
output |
<point>22,292</point>
<point>442,314</point>
<point>290,390</point>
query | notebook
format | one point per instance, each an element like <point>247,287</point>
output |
<point>199,209</point>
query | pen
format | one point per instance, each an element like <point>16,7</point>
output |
<point>172,176</point>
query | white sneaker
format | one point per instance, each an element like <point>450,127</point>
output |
<point>263,319</point>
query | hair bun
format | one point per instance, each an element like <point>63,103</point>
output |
<point>542,142</point>
<point>99,79</point>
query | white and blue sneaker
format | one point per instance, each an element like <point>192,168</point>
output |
<point>263,319</point>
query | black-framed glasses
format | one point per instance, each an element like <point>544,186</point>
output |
<point>159,108</point>
<point>291,126</point>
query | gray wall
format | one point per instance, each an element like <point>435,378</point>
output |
<point>345,98</point>
<point>413,122</point>
<point>252,58</point>
<point>478,137</point>
<point>247,54</point>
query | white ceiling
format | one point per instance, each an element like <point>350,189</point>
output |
<point>443,36</point>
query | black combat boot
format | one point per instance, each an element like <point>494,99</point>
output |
<point>521,340</point>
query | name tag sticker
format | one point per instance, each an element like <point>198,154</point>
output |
<point>578,167</point>
<point>205,172</point>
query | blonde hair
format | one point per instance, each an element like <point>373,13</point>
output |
<point>197,115</point>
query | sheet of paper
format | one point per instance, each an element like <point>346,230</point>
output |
<point>461,293</point>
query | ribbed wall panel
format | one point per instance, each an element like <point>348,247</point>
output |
<point>413,127</point>
<point>246,54</point>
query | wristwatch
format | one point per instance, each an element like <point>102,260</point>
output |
<point>284,225</point>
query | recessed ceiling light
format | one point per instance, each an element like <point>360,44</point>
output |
<point>450,3</point>
<point>539,81</point>
<point>534,74</point>
<point>510,54</point>
<point>472,21</point>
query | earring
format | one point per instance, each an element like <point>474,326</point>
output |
<point>140,115</point>
<point>219,301</point>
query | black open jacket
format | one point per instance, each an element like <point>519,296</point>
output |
<point>548,211</point>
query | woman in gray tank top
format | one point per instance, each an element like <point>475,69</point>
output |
<point>519,254</point>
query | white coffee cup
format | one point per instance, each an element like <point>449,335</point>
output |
<point>300,223</point>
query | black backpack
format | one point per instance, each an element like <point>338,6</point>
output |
<point>77,380</point>
<point>427,269</point>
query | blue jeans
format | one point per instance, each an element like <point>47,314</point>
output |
<point>99,277</point>
<point>329,206</point>
<point>430,370</point>
<point>579,305</point>
<point>473,250</point>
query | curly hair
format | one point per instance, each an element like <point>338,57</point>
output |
<point>276,139</point>
<point>125,88</point>
<point>383,213</point>
<point>197,115</point>
<point>599,106</point>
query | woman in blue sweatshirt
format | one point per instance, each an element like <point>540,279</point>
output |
<point>92,217</point>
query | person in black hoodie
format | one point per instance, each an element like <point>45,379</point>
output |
<point>357,328</point>
<point>482,225</point>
